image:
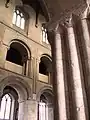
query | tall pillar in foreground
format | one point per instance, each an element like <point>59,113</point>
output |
<point>76,81</point>
<point>85,41</point>
<point>58,76</point>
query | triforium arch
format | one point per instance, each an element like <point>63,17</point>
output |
<point>22,87</point>
<point>45,66</point>
<point>20,54</point>
<point>23,44</point>
<point>22,90</point>
<point>45,104</point>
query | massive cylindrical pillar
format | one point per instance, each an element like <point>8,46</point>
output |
<point>85,52</point>
<point>58,76</point>
<point>76,80</point>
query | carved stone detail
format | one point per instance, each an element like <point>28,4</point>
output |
<point>6,3</point>
<point>86,13</point>
<point>68,22</point>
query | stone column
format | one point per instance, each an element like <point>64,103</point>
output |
<point>85,41</point>
<point>31,68</point>
<point>27,68</point>
<point>58,76</point>
<point>76,82</point>
<point>37,68</point>
<point>31,110</point>
<point>86,35</point>
<point>34,75</point>
<point>21,111</point>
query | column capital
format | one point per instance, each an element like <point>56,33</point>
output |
<point>86,13</point>
<point>31,58</point>
<point>54,26</point>
<point>56,29</point>
<point>68,22</point>
<point>38,59</point>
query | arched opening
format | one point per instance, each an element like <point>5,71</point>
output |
<point>20,92</point>
<point>9,104</point>
<point>45,66</point>
<point>14,56</point>
<point>45,107</point>
<point>45,69</point>
<point>18,54</point>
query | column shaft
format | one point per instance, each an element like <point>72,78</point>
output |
<point>86,36</point>
<point>58,79</point>
<point>34,75</point>
<point>86,58</point>
<point>77,92</point>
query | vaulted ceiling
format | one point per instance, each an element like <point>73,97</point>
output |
<point>58,9</point>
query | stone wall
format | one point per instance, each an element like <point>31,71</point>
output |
<point>32,38</point>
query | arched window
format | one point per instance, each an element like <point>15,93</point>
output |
<point>44,35</point>
<point>18,19</point>
<point>9,104</point>
<point>18,54</point>
<point>45,66</point>
<point>13,55</point>
<point>45,107</point>
<point>5,107</point>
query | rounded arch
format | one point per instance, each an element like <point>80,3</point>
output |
<point>11,91</point>
<point>45,65</point>
<point>23,44</point>
<point>48,56</point>
<point>45,90</point>
<point>45,103</point>
<point>21,87</point>
<point>19,54</point>
<point>21,8</point>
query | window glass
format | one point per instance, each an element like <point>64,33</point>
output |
<point>18,19</point>
<point>22,23</point>
<point>21,15</point>
<point>47,39</point>
<point>17,11</point>
<point>43,111</point>
<point>44,35</point>
<point>5,107</point>
<point>44,39</point>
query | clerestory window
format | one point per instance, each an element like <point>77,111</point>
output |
<point>44,35</point>
<point>18,19</point>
